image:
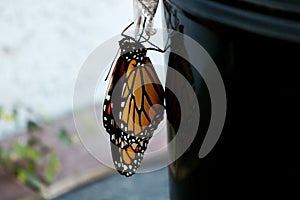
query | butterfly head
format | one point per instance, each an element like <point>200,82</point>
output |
<point>132,49</point>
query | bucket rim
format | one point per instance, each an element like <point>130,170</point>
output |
<point>240,18</point>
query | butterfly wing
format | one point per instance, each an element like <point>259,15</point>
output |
<point>138,100</point>
<point>142,100</point>
<point>127,159</point>
<point>109,122</point>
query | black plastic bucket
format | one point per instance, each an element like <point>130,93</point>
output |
<point>256,46</point>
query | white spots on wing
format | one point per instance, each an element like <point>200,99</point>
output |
<point>122,104</point>
<point>123,89</point>
<point>122,144</point>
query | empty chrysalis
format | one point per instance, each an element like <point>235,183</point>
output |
<point>145,10</point>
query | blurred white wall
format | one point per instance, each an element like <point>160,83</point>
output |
<point>43,44</point>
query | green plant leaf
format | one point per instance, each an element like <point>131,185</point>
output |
<point>19,149</point>
<point>26,151</point>
<point>51,168</point>
<point>4,154</point>
<point>53,160</point>
<point>8,116</point>
<point>32,166</point>
<point>21,175</point>
<point>33,180</point>
<point>49,174</point>
<point>33,154</point>
<point>27,177</point>
<point>64,136</point>
<point>3,157</point>
<point>32,126</point>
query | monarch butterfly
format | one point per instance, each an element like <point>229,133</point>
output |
<point>134,104</point>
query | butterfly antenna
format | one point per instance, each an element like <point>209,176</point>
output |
<point>143,29</point>
<point>118,49</point>
<point>112,64</point>
<point>156,48</point>
<point>126,29</point>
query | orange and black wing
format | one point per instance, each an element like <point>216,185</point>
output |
<point>109,122</point>
<point>127,159</point>
<point>133,108</point>
<point>142,100</point>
